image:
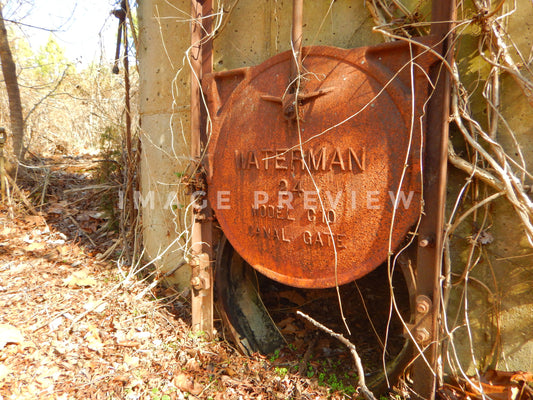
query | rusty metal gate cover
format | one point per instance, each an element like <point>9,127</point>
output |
<point>308,199</point>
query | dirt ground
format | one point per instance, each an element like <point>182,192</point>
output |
<point>75,324</point>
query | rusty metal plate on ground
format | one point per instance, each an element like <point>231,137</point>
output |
<point>310,202</point>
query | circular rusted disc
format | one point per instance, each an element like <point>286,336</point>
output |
<point>355,140</point>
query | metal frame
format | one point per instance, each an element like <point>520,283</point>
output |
<point>430,241</point>
<point>431,232</point>
<point>201,58</point>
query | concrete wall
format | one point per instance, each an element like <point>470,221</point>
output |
<point>499,287</point>
<point>164,109</point>
<point>498,291</point>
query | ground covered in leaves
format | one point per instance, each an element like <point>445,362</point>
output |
<point>76,325</point>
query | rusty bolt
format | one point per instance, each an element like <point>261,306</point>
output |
<point>423,304</point>
<point>421,335</point>
<point>423,243</point>
<point>197,282</point>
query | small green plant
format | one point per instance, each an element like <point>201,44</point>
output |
<point>321,378</point>
<point>171,346</point>
<point>198,335</point>
<point>274,356</point>
<point>155,394</point>
<point>281,371</point>
<point>335,385</point>
<point>330,380</point>
<point>349,390</point>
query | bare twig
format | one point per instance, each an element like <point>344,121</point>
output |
<point>36,105</point>
<point>81,230</point>
<point>22,196</point>
<point>367,394</point>
<point>302,367</point>
<point>132,26</point>
<point>45,187</point>
<point>471,169</point>
<point>94,306</point>
<point>110,250</point>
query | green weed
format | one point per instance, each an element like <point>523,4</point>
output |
<point>274,356</point>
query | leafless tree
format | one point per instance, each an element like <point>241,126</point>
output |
<point>9,70</point>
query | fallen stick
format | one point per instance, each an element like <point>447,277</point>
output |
<point>21,194</point>
<point>82,231</point>
<point>302,367</point>
<point>367,394</point>
<point>108,252</point>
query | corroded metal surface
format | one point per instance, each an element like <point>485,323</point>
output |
<point>429,272</point>
<point>201,58</point>
<point>305,192</point>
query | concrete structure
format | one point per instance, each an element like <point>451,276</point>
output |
<point>498,294</point>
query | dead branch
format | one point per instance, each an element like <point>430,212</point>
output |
<point>302,367</point>
<point>21,194</point>
<point>367,394</point>
<point>471,169</point>
<point>80,229</point>
<point>49,94</point>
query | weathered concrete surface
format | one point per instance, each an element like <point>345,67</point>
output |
<point>256,31</point>
<point>164,110</point>
<point>497,290</point>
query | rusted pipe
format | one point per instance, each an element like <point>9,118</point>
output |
<point>201,235</point>
<point>120,13</point>
<point>196,73</point>
<point>2,165</point>
<point>129,151</point>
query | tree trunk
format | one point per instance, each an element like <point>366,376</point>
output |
<point>9,70</point>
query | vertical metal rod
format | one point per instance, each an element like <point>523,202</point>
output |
<point>207,259</point>
<point>127,103</point>
<point>201,235</point>
<point>196,73</point>
<point>297,33</point>
<point>429,258</point>
<point>2,163</point>
<point>117,51</point>
<point>120,13</point>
